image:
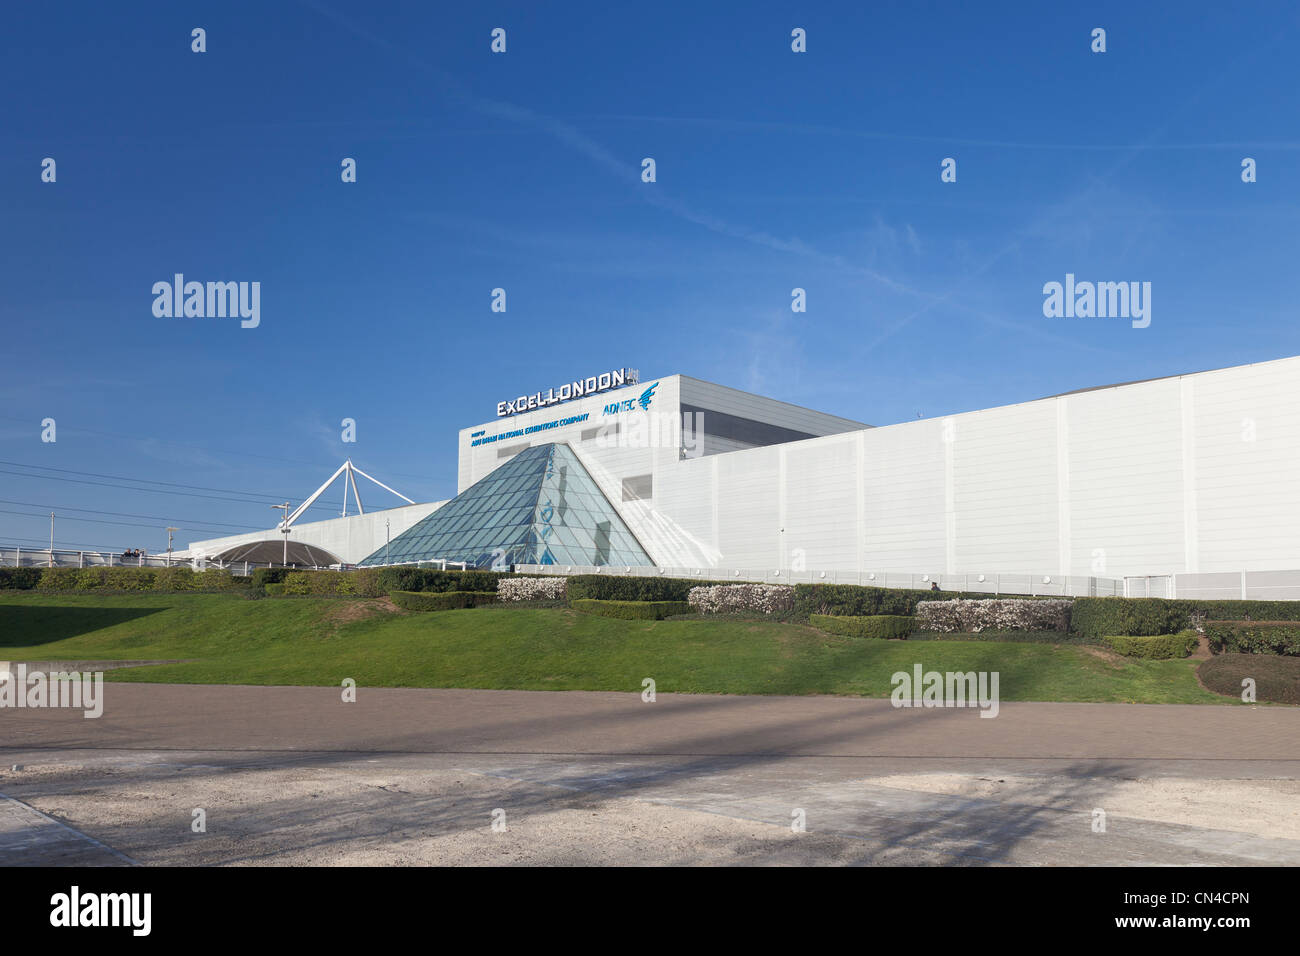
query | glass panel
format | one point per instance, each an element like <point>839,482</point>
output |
<point>540,507</point>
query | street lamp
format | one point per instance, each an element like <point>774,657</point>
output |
<point>387,539</point>
<point>284,530</point>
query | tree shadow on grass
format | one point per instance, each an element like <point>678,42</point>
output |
<point>26,626</point>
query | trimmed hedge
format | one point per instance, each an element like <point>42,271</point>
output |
<point>1005,637</point>
<point>1245,610</point>
<point>264,576</point>
<point>1097,617</point>
<point>441,600</point>
<point>1132,617</point>
<point>432,579</point>
<point>853,600</point>
<point>273,590</point>
<point>1254,637</point>
<point>611,587</point>
<point>19,579</point>
<point>1153,646</point>
<point>630,610</point>
<point>886,626</point>
<point>364,582</point>
<point>177,578</point>
<point>1276,679</point>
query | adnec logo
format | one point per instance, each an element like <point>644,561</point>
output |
<point>631,404</point>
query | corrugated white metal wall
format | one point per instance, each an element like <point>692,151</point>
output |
<point>1195,473</point>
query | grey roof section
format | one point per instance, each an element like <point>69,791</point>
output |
<point>735,401</point>
<point>1157,378</point>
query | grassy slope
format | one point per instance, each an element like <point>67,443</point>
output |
<point>305,641</point>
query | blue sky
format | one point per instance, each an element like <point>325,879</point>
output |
<point>775,170</point>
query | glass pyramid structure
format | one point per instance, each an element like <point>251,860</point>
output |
<point>541,507</point>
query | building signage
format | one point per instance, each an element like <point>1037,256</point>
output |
<point>475,440</point>
<point>631,404</point>
<point>616,378</point>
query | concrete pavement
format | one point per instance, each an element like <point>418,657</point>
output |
<point>295,775</point>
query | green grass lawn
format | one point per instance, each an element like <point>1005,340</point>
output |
<point>320,641</point>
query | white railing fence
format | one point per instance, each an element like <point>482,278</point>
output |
<point>45,558</point>
<point>1220,585</point>
<point>988,583</point>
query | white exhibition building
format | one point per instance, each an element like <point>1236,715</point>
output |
<point>1180,485</point>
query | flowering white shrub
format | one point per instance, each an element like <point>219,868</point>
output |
<point>532,589</point>
<point>763,598</point>
<point>1003,614</point>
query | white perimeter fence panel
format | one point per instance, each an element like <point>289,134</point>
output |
<point>1239,585</point>
<point>1031,584</point>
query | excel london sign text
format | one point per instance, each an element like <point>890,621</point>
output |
<point>570,390</point>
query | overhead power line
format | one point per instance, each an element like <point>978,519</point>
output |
<point>63,545</point>
<point>147,481</point>
<point>214,451</point>
<point>125,524</point>
<point>246,497</point>
<point>122,514</point>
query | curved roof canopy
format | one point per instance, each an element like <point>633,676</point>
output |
<point>272,552</point>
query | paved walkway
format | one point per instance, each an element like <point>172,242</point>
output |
<point>295,775</point>
<point>199,717</point>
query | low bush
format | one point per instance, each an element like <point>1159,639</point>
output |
<point>1144,616</point>
<point>1244,610</point>
<point>1006,637</point>
<point>851,600</point>
<point>742,598</point>
<point>614,587</point>
<point>1254,637</point>
<point>441,600</point>
<point>631,610</point>
<point>432,579</point>
<point>533,589</point>
<point>264,576</point>
<point>176,578</point>
<point>1275,679</point>
<point>1131,617</point>
<point>854,600</point>
<point>1008,614</point>
<point>273,590</point>
<point>364,582</point>
<point>184,579</point>
<point>19,579</point>
<point>1153,646</point>
<point>887,626</point>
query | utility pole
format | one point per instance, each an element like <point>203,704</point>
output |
<point>169,545</point>
<point>387,540</point>
<point>51,539</point>
<point>284,530</point>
